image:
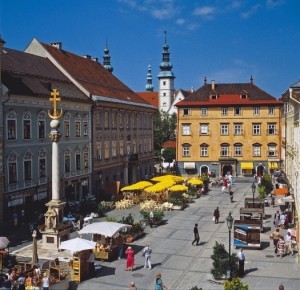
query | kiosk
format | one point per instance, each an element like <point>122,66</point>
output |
<point>252,214</point>
<point>255,203</point>
<point>246,234</point>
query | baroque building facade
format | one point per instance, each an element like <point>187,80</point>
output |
<point>122,122</point>
<point>27,81</point>
<point>229,128</point>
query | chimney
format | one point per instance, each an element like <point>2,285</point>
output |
<point>87,56</point>
<point>213,85</point>
<point>58,45</point>
<point>95,59</point>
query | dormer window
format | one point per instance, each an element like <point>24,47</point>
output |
<point>244,95</point>
<point>214,97</point>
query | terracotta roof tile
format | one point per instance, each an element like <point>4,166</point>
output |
<point>150,97</point>
<point>93,76</point>
<point>229,94</point>
<point>169,144</point>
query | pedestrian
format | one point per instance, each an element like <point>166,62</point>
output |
<point>275,237</point>
<point>276,218</point>
<point>159,285</point>
<point>147,251</point>
<point>196,235</point>
<point>224,185</point>
<point>45,281</point>
<point>91,261</point>
<point>282,219</point>
<point>281,287</point>
<point>241,257</point>
<point>151,218</point>
<point>216,215</point>
<point>281,246</point>
<point>132,286</point>
<point>120,243</point>
<point>130,259</point>
<point>288,244</point>
<point>273,200</point>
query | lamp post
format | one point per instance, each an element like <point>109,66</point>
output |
<point>229,220</point>
<point>253,186</point>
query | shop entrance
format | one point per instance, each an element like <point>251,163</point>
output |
<point>227,169</point>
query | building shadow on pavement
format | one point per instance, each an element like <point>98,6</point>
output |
<point>248,271</point>
<point>105,271</point>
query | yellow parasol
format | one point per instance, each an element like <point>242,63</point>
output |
<point>179,187</point>
<point>160,186</point>
<point>195,181</point>
<point>168,177</point>
<point>137,186</point>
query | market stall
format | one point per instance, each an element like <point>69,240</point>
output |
<point>255,203</point>
<point>250,214</point>
<point>246,234</point>
<point>105,234</point>
<point>4,253</point>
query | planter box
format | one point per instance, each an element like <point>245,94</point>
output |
<point>177,207</point>
<point>131,237</point>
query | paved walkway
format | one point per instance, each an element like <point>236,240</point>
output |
<point>183,265</point>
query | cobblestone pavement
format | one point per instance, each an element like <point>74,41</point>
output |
<point>182,265</point>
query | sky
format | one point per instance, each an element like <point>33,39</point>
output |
<point>222,40</point>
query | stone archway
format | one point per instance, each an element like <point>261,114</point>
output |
<point>226,169</point>
<point>204,170</point>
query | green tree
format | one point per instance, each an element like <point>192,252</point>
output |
<point>235,284</point>
<point>266,181</point>
<point>220,259</point>
<point>164,129</point>
<point>169,154</point>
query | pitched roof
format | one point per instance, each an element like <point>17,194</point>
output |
<point>229,94</point>
<point>169,144</point>
<point>91,75</point>
<point>28,74</point>
<point>150,97</point>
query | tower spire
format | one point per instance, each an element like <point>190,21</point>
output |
<point>106,59</point>
<point>149,86</point>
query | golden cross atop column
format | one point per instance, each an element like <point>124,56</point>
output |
<point>55,98</point>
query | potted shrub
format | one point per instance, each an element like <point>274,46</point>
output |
<point>158,216</point>
<point>135,231</point>
<point>205,179</point>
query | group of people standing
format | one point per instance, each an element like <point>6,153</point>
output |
<point>283,245</point>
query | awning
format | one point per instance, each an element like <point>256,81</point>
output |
<point>281,191</point>
<point>247,165</point>
<point>273,165</point>
<point>283,200</point>
<point>189,165</point>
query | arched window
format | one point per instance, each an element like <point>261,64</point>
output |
<point>67,161</point>
<point>85,125</point>
<point>186,150</point>
<point>256,149</point>
<point>12,168</point>
<point>67,118</point>
<point>27,125</point>
<point>204,150</point>
<point>42,125</point>
<point>27,166</point>
<point>78,158</point>
<point>42,163</point>
<point>77,126</point>
<point>11,120</point>
<point>224,150</point>
<point>238,149</point>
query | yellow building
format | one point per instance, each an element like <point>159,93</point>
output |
<point>229,128</point>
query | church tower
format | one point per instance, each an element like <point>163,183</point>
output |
<point>166,79</point>
<point>149,86</point>
<point>106,60</point>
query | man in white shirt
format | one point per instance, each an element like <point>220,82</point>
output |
<point>241,257</point>
<point>91,262</point>
<point>147,254</point>
<point>288,243</point>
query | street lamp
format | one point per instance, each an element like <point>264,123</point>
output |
<point>229,220</point>
<point>253,186</point>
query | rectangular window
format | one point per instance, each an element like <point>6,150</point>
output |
<point>203,129</point>
<point>67,128</point>
<point>42,167</point>
<point>78,161</point>
<point>224,111</point>
<point>106,120</point>
<point>41,125</point>
<point>77,128</point>
<point>86,160</point>
<point>11,129</point>
<point>238,129</point>
<point>256,110</point>
<point>237,111</point>
<point>67,163</point>
<point>271,110</point>
<point>186,112</point>
<point>272,150</point>
<point>106,149</point>
<point>224,151</point>
<point>27,170</point>
<point>256,129</point>
<point>224,129</point>
<point>121,120</point>
<point>99,150</point>
<point>204,151</point>
<point>186,129</point>
<point>271,129</point>
<point>203,111</point>
<point>26,129</point>
<point>186,151</point>
<point>237,150</point>
<point>114,149</point>
<point>12,172</point>
<point>257,151</point>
